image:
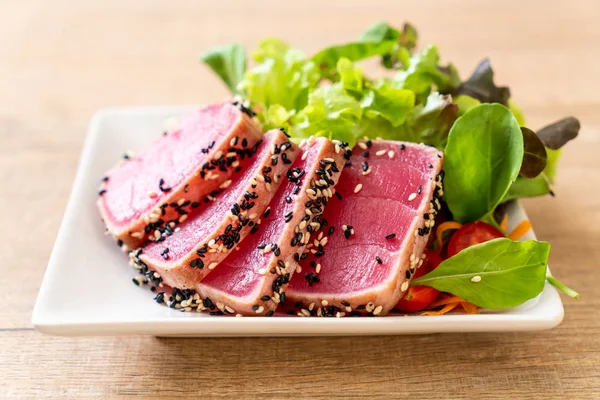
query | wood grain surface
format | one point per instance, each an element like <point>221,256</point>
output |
<point>62,60</point>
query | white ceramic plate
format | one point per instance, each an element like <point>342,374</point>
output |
<point>87,289</point>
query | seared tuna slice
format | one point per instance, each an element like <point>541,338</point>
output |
<point>252,279</point>
<point>167,179</point>
<point>183,256</point>
<point>388,200</point>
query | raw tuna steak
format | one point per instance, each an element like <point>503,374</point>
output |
<point>183,256</point>
<point>167,179</point>
<point>387,202</point>
<point>252,279</point>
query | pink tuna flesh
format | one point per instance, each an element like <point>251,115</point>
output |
<point>361,269</point>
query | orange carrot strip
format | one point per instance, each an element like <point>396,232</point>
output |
<point>504,223</point>
<point>444,226</point>
<point>469,308</point>
<point>445,301</point>
<point>447,308</point>
<point>520,230</point>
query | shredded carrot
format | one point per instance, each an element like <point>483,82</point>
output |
<point>447,308</point>
<point>443,227</point>
<point>469,308</point>
<point>445,299</point>
<point>520,230</point>
<point>504,223</point>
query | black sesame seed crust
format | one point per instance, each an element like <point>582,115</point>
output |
<point>241,219</point>
<point>197,184</point>
<point>310,191</point>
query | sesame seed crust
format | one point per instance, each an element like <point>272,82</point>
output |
<point>200,183</point>
<point>186,271</point>
<point>314,175</point>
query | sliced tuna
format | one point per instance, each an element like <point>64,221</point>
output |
<point>167,179</point>
<point>386,202</point>
<point>253,278</point>
<point>182,256</point>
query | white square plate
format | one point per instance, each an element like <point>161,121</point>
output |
<point>87,289</point>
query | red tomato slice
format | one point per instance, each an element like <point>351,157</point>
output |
<point>417,298</point>
<point>471,234</point>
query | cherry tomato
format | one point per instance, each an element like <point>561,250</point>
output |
<point>471,234</point>
<point>419,297</point>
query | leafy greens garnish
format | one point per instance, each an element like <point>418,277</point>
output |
<point>483,158</point>
<point>497,274</point>
<point>481,86</point>
<point>229,62</point>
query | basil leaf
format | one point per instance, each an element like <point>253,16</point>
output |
<point>481,86</point>
<point>509,272</point>
<point>535,157</point>
<point>229,62</point>
<point>482,159</point>
<point>556,135</point>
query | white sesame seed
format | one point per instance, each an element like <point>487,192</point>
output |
<point>298,269</point>
<point>305,312</point>
<point>212,265</point>
<point>304,155</point>
<point>337,148</point>
<point>260,309</point>
<point>358,187</point>
<point>324,303</point>
<point>183,218</point>
<point>262,271</point>
<point>362,145</point>
<point>404,286</point>
<point>252,216</point>
<point>268,187</point>
<point>225,184</point>
<point>381,152</point>
<point>377,310</point>
<point>311,306</point>
<point>218,155</point>
<point>229,310</point>
<point>318,268</point>
<point>412,196</point>
<point>157,234</point>
<point>391,154</point>
<point>476,279</point>
<point>136,234</point>
<point>232,141</point>
<point>220,306</point>
<point>181,201</point>
<point>238,315</point>
<point>235,164</point>
<point>152,194</point>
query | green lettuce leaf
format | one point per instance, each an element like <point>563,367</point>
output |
<point>228,62</point>
<point>282,76</point>
<point>331,112</point>
<point>428,123</point>
<point>424,74</point>
<point>378,40</point>
<point>399,57</point>
<point>389,103</point>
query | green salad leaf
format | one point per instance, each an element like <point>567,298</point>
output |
<point>229,62</point>
<point>535,157</point>
<point>497,274</point>
<point>378,40</point>
<point>482,159</point>
<point>281,76</point>
<point>389,103</point>
<point>481,86</point>
<point>331,112</point>
<point>465,103</point>
<point>424,74</point>
<point>400,54</point>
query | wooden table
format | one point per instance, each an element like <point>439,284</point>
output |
<point>62,60</point>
